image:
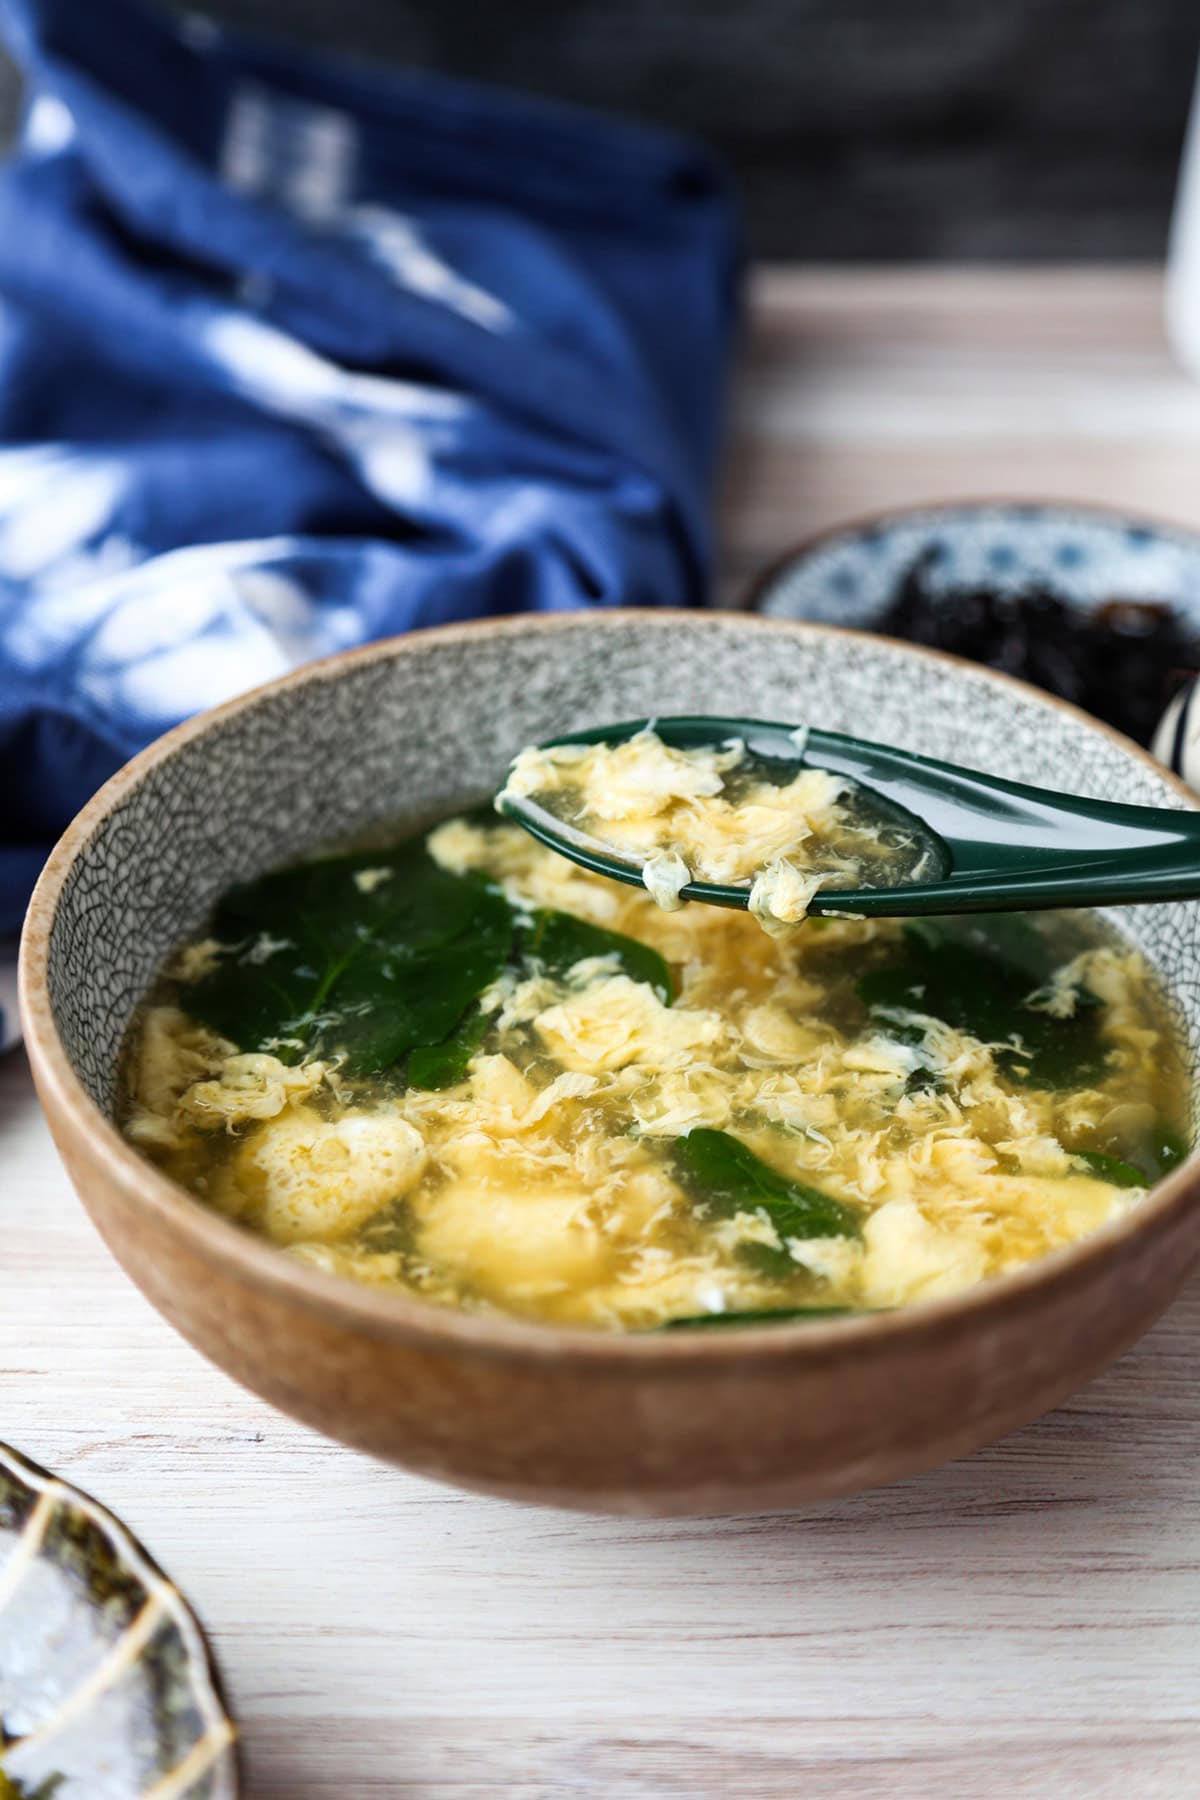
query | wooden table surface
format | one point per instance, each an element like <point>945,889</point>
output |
<point>1022,1624</point>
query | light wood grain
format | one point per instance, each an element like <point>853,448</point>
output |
<point>864,391</point>
<point>1019,1626</point>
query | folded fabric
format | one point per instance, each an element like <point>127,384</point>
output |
<point>294,355</point>
<point>10,1031</point>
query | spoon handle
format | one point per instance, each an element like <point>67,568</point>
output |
<point>1163,865</point>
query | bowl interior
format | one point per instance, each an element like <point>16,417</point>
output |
<point>413,729</point>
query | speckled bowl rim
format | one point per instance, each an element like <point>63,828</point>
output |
<point>862,525</point>
<point>420,1324</point>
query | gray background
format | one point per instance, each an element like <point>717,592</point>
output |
<point>858,129</point>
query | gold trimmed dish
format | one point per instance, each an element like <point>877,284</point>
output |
<point>107,1688</point>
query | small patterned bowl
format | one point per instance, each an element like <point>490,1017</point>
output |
<point>1087,556</point>
<point>106,1689</point>
<point>686,1422</point>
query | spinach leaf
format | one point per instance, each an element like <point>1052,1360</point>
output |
<point>766,1260</point>
<point>1149,1159</point>
<point>1110,1168</point>
<point>372,970</point>
<point>978,976</point>
<point>726,1176</point>
<point>12,1789</point>
<point>391,1230</point>
<point>559,940</point>
<point>770,1315</point>
<point>445,1065</point>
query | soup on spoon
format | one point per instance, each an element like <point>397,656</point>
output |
<point>811,813</point>
<point>721,815</point>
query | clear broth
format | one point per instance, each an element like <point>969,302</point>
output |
<point>581,1170</point>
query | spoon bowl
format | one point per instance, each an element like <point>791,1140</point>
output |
<point>996,845</point>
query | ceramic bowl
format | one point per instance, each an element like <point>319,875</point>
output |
<point>106,1685</point>
<point>745,1420</point>
<point>1084,555</point>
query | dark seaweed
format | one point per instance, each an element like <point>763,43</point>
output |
<point>1120,660</point>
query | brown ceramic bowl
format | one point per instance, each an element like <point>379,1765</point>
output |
<point>734,1421</point>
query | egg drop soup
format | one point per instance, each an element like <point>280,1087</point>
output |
<point>462,1068</point>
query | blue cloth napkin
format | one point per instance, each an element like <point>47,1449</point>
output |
<point>295,355</point>
<point>10,1030</point>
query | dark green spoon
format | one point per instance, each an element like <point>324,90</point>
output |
<point>997,845</point>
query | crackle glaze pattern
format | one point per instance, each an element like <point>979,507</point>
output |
<point>106,1692</point>
<point>418,732</point>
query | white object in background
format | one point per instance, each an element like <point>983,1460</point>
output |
<point>1182,298</point>
<point>1177,740</point>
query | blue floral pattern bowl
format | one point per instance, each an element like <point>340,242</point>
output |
<point>1086,556</point>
